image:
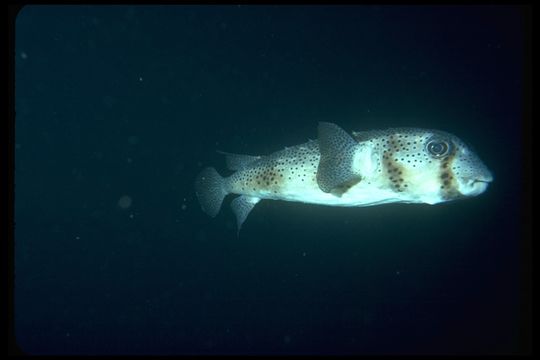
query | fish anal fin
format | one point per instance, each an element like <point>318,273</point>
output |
<point>242,206</point>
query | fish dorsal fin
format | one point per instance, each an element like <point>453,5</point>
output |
<point>238,161</point>
<point>335,174</point>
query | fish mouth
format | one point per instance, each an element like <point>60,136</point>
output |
<point>477,186</point>
<point>486,181</point>
<point>485,177</point>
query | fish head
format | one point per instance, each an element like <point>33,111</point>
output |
<point>471,174</point>
<point>427,166</point>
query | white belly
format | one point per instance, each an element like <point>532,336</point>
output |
<point>362,194</point>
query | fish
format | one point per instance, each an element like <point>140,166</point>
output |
<point>364,168</point>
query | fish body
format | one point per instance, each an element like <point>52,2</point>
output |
<point>400,165</point>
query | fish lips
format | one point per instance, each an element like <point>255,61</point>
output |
<point>476,186</point>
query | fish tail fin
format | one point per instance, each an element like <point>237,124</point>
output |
<point>211,189</point>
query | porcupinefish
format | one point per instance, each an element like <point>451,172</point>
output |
<point>399,165</point>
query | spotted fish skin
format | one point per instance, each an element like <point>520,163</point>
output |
<point>406,165</point>
<point>289,174</point>
<point>419,175</point>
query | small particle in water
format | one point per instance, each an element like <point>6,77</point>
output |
<point>287,339</point>
<point>183,207</point>
<point>125,202</point>
<point>24,56</point>
<point>133,140</point>
<point>77,237</point>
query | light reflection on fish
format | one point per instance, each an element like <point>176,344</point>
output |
<point>400,165</point>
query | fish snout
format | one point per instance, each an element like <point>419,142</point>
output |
<point>476,185</point>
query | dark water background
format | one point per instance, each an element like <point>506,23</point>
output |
<point>117,110</point>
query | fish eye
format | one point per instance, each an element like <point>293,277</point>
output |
<point>438,148</point>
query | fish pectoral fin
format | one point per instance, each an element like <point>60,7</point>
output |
<point>238,161</point>
<point>344,187</point>
<point>242,206</point>
<point>334,173</point>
